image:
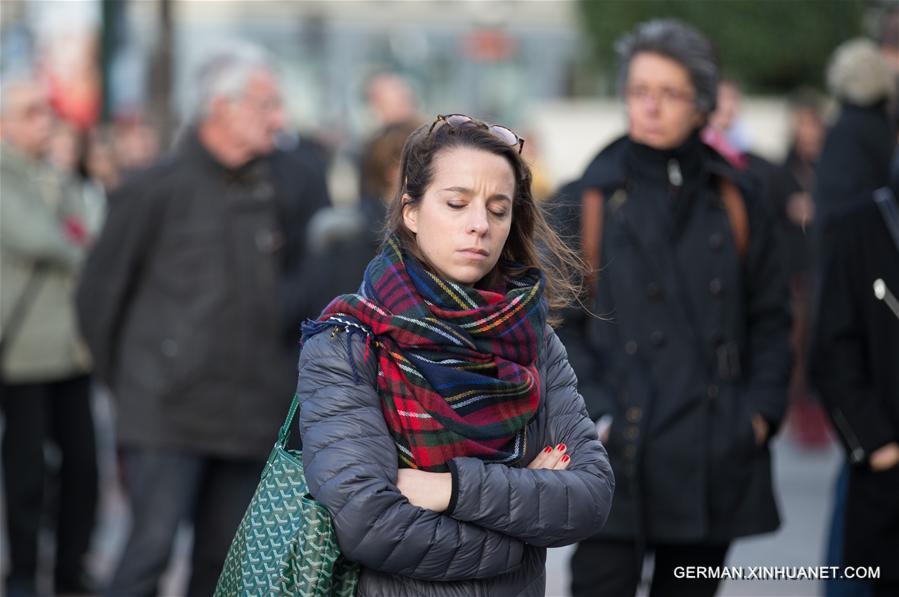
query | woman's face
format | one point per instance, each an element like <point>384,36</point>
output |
<point>463,220</point>
<point>661,102</point>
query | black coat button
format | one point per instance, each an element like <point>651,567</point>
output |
<point>657,338</point>
<point>633,414</point>
<point>712,391</point>
<point>631,347</point>
<point>653,291</point>
<point>716,241</point>
<point>716,286</point>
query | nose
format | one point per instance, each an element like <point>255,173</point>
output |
<point>477,220</point>
<point>652,103</point>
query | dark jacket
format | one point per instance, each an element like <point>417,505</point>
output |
<point>856,157</point>
<point>854,366</point>
<point>494,540</point>
<point>691,341</point>
<point>182,301</point>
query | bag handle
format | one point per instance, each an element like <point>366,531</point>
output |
<point>284,433</point>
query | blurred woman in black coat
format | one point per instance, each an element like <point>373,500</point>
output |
<point>691,358</point>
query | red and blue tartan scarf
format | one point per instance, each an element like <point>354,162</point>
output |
<point>457,371</point>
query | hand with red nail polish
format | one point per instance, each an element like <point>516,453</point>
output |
<point>552,458</point>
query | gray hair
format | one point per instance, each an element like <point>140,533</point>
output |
<point>679,42</point>
<point>858,74</point>
<point>225,72</point>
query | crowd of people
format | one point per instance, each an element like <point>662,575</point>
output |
<point>500,373</point>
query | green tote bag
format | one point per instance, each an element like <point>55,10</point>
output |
<point>286,544</point>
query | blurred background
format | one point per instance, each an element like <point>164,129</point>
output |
<point>542,67</point>
<point>118,74</point>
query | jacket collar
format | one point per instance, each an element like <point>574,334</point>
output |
<point>609,170</point>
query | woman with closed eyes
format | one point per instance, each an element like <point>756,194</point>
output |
<point>441,422</point>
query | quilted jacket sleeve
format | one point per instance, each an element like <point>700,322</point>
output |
<point>544,507</point>
<point>351,468</point>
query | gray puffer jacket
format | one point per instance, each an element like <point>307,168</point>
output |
<point>494,541</point>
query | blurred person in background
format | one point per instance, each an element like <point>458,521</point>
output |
<point>70,151</point>
<point>726,133</point>
<point>854,162</point>
<point>392,104</point>
<point>793,186</point>
<point>725,130</point>
<point>186,307</point>
<point>379,173</point>
<point>853,366</point>
<point>796,176</point>
<point>391,99</point>
<point>44,375</point>
<point>342,240</point>
<point>100,163</point>
<point>136,144</point>
<point>859,145</point>
<point>691,356</point>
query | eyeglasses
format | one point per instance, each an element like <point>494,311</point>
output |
<point>504,134</point>
<point>664,95</point>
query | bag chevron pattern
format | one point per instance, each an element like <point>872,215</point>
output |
<point>285,544</point>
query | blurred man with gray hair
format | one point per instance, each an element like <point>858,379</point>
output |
<point>183,304</point>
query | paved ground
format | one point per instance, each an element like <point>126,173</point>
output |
<point>804,480</point>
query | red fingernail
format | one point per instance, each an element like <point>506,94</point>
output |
<point>565,458</point>
<point>560,447</point>
<point>547,450</point>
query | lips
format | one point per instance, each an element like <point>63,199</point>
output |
<point>474,252</point>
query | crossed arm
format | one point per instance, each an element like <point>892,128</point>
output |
<point>392,522</point>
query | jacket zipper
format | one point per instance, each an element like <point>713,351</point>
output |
<point>675,177</point>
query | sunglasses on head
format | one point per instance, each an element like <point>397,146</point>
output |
<point>504,134</point>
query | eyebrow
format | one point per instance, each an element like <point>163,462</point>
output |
<point>466,191</point>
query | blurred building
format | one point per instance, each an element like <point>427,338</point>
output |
<point>525,63</point>
<point>489,58</point>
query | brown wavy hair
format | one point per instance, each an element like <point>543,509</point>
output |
<point>531,243</point>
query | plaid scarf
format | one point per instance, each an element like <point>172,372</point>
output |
<point>457,369</point>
